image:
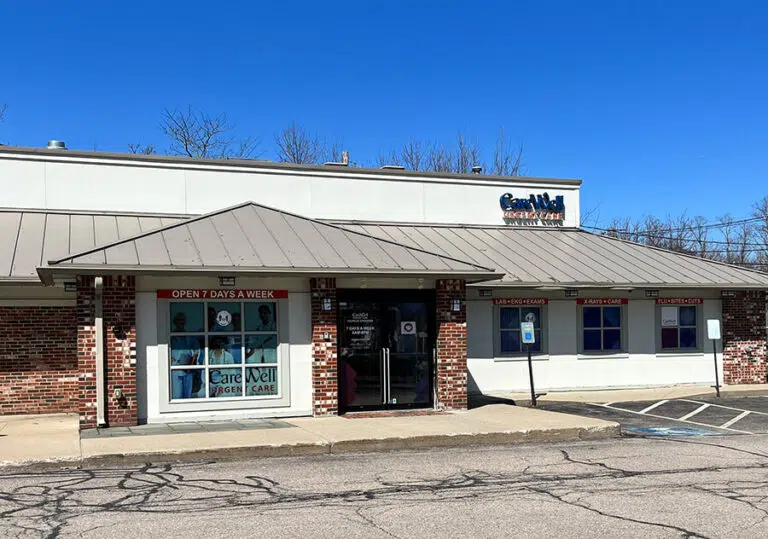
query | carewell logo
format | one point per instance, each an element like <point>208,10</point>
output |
<point>535,207</point>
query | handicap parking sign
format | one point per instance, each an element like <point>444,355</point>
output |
<point>526,330</point>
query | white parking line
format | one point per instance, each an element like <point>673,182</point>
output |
<point>696,411</point>
<point>672,419</point>
<point>742,415</point>
<point>726,407</point>
<point>652,406</point>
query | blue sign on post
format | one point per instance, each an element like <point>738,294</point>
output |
<point>526,330</point>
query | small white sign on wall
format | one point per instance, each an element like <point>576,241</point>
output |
<point>713,330</point>
<point>408,328</point>
<point>669,317</point>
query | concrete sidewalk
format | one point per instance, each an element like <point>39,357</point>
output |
<point>55,438</point>
<point>629,395</point>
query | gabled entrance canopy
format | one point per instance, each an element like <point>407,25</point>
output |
<point>255,239</point>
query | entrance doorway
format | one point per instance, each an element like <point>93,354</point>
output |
<point>386,343</point>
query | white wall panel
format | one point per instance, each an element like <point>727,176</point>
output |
<point>76,186</point>
<point>22,184</point>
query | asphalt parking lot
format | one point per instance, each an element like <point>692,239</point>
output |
<point>695,416</point>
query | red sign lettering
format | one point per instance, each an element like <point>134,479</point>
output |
<point>520,301</point>
<point>679,301</point>
<point>602,301</point>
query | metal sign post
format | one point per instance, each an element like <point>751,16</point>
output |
<point>529,338</point>
<point>713,332</point>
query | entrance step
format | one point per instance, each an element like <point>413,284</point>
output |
<point>390,413</point>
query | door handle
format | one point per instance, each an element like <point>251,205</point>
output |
<point>383,370</point>
<point>385,377</point>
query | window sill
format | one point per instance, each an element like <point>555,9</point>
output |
<point>603,355</point>
<point>537,357</point>
<point>678,353</point>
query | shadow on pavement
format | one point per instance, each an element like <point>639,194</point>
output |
<point>478,401</point>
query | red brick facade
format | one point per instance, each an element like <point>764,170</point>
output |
<point>119,315</point>
<point>38,360</point>
<point>451,345</point>
<point>744,338</point>
<point>325,386</point>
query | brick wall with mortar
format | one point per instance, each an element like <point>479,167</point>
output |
<point>325,389</point>
<point>744,338</point>
<point>38,360</point>
<point>119,316</point>
<point>451,345</point>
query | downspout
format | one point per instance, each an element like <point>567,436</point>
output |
<point>98,284</point>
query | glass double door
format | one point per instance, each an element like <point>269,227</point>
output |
<point>386,341</point>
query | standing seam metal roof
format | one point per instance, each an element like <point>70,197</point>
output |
<point>29,238</point>
<point>226,239</point>
<point>567,257</point>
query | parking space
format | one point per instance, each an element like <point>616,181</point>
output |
<point>678,417</point>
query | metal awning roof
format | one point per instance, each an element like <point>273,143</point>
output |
<point>30,238</point>
<point>251,238</point>
<point>531,257</point>
<point>528,257</point>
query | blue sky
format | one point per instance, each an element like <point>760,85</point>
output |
<point>659,106</point>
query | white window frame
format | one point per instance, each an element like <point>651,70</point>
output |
<point>282,399</point>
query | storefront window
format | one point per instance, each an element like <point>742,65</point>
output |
<point>602,328</point>
<point>678,327</point>
<point>214,346</point>
<point>510,341</point>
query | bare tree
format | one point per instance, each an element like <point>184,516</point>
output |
<point>412,156</point>
<point>438,159</point>
<point>200,136</point>
<point>761,233</point>
<point>700,237</point>
<point>459,157</point>
<point>3,108</point>
<point>296,145</point>
<point>507,161</point>
<point>466,155</point>
<point>142,149</point>
<point>334,152</point>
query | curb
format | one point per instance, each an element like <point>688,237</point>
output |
<point>573,434</point>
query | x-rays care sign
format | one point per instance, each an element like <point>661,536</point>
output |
<point>202,293</point>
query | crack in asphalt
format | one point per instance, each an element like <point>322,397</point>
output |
<point>47,503</point>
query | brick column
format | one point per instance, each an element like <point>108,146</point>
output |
<point>119,316</point>
<point>744,338</point>
<point>451,345</point>
<point>120,349</point>
<point>325,386</point>
<point>86,352</point>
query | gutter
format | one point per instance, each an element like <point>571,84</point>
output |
<point>98,286</point>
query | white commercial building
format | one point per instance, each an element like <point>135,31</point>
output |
<point>228,288</point>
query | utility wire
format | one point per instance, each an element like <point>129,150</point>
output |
<point>705,226</point>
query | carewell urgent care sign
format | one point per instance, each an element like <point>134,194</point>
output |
<point>602,301</point>
<point>535,207</point>
<point>520,301</point>
<point>205,293</point>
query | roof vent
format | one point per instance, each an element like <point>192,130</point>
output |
<point>56,145</point>
<point>477,169</point>
<point>343,163</point>
<point>393,167</point>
